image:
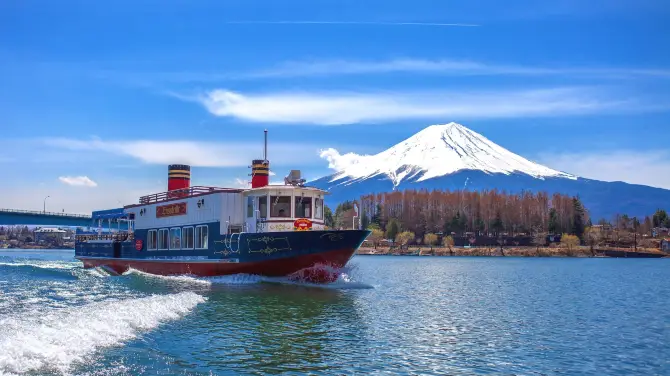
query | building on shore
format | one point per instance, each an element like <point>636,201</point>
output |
<point>665,245</point>
<point>49,234</point>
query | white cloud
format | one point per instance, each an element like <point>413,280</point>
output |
<point>78,181</point>
<point>349,108</point>
<point>194,153</point>
<point>339,162</point>
<point>443,67</point>
<point>637,167</point>
<point>241,183</point>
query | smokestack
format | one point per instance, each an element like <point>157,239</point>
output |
<point>179,177</point>
<point>260,168</point>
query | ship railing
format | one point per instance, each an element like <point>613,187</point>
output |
<point>181,193</point>
<point>116,236</point>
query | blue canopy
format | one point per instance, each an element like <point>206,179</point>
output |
<point>109,214</point>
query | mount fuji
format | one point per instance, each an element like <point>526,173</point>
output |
<point>451,156</point>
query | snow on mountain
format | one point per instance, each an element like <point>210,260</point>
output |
<point>435,151</point>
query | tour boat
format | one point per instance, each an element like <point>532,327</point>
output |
<point>266,230</point>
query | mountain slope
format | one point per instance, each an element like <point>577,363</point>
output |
<point>451,156</point>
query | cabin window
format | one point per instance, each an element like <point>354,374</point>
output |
<point>318,208</point>
<point>280,206</point>
<point>152,238</point>
<point>303,207</point>
<point>163,238</point>
<point>187,239</point>
<point>175,238</point>
<point>263,206</point>
<point>250,207</point>
<point>201,237</point>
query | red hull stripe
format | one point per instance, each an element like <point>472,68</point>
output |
<point>206,268</point>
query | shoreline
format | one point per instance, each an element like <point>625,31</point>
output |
<point>581,251</point>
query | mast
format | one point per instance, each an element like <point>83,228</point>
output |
<point>265,147</point>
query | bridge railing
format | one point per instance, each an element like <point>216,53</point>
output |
<point>35,212</point>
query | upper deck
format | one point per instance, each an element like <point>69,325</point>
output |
<point>180,194</point>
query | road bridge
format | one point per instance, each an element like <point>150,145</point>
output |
<point>13,217</point>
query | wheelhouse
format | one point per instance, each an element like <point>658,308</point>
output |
<point>278,207</point>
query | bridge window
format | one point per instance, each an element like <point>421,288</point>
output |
<point>201,237</point>
<point>303,207</point>
<point>263,206</point>
<point>318,208</point>
<point>250,207</point>
<point>280,206</point>
<point>187,232</point>
<point>152,238</point>
<point>175,238</point>
<point>163,239</point>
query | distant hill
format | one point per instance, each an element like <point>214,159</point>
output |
<point>451,156</point>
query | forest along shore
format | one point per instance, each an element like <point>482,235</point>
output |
<point>552,251</point>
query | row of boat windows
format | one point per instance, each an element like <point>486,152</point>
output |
<point>280,207</point>
<point>176,238</point>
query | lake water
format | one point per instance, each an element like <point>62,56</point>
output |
<point>390,315</point>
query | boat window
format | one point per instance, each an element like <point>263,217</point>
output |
<point>175,238</point>
<point>152,237</point>
<point>201,238</point>
<point>250,207</point>
<point>263,206</point>
<point>187,239</point>
<point>280,206</point>
<point>318,208</point>
<point>163,238</point>
<point>303,207</point>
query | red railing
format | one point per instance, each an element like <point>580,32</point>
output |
<point>181,193</point>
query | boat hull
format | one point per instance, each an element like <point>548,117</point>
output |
<point>314,256</point>
<point>271,268</point>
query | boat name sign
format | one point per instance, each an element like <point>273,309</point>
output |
<point>171,210</point>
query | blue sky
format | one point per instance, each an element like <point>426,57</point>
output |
<point>98,97</point>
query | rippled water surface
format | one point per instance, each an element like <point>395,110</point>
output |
<point>387,315</point>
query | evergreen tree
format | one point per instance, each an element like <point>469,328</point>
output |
<point>660,218</point>
<point>497,225</point>
<point>578,218</point>
<point>553,221</point>
<point>365,221</point>
<point>392,228</point>
<point>455,224</point>
<point>377,215</point>
<point>463,222</point>
<point>328,217</point>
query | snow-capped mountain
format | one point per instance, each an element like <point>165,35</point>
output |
<point>440,150</point>
<point>451,156</point>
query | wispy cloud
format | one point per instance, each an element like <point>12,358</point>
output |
<point>441,66</point>
<point>630,166</point>
<point>336,108</point>
<point>439,24</point>
<point>78,181</point>
<point>194,153</point>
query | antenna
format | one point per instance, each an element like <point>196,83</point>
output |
<point>265,150</point>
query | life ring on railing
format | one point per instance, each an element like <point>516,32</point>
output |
<point>302,224</point>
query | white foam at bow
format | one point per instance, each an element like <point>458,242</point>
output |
<point>57,339</point>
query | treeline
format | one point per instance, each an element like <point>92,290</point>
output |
<point>483,213</point>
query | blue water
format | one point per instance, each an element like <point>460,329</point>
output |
<point>388,315</point>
